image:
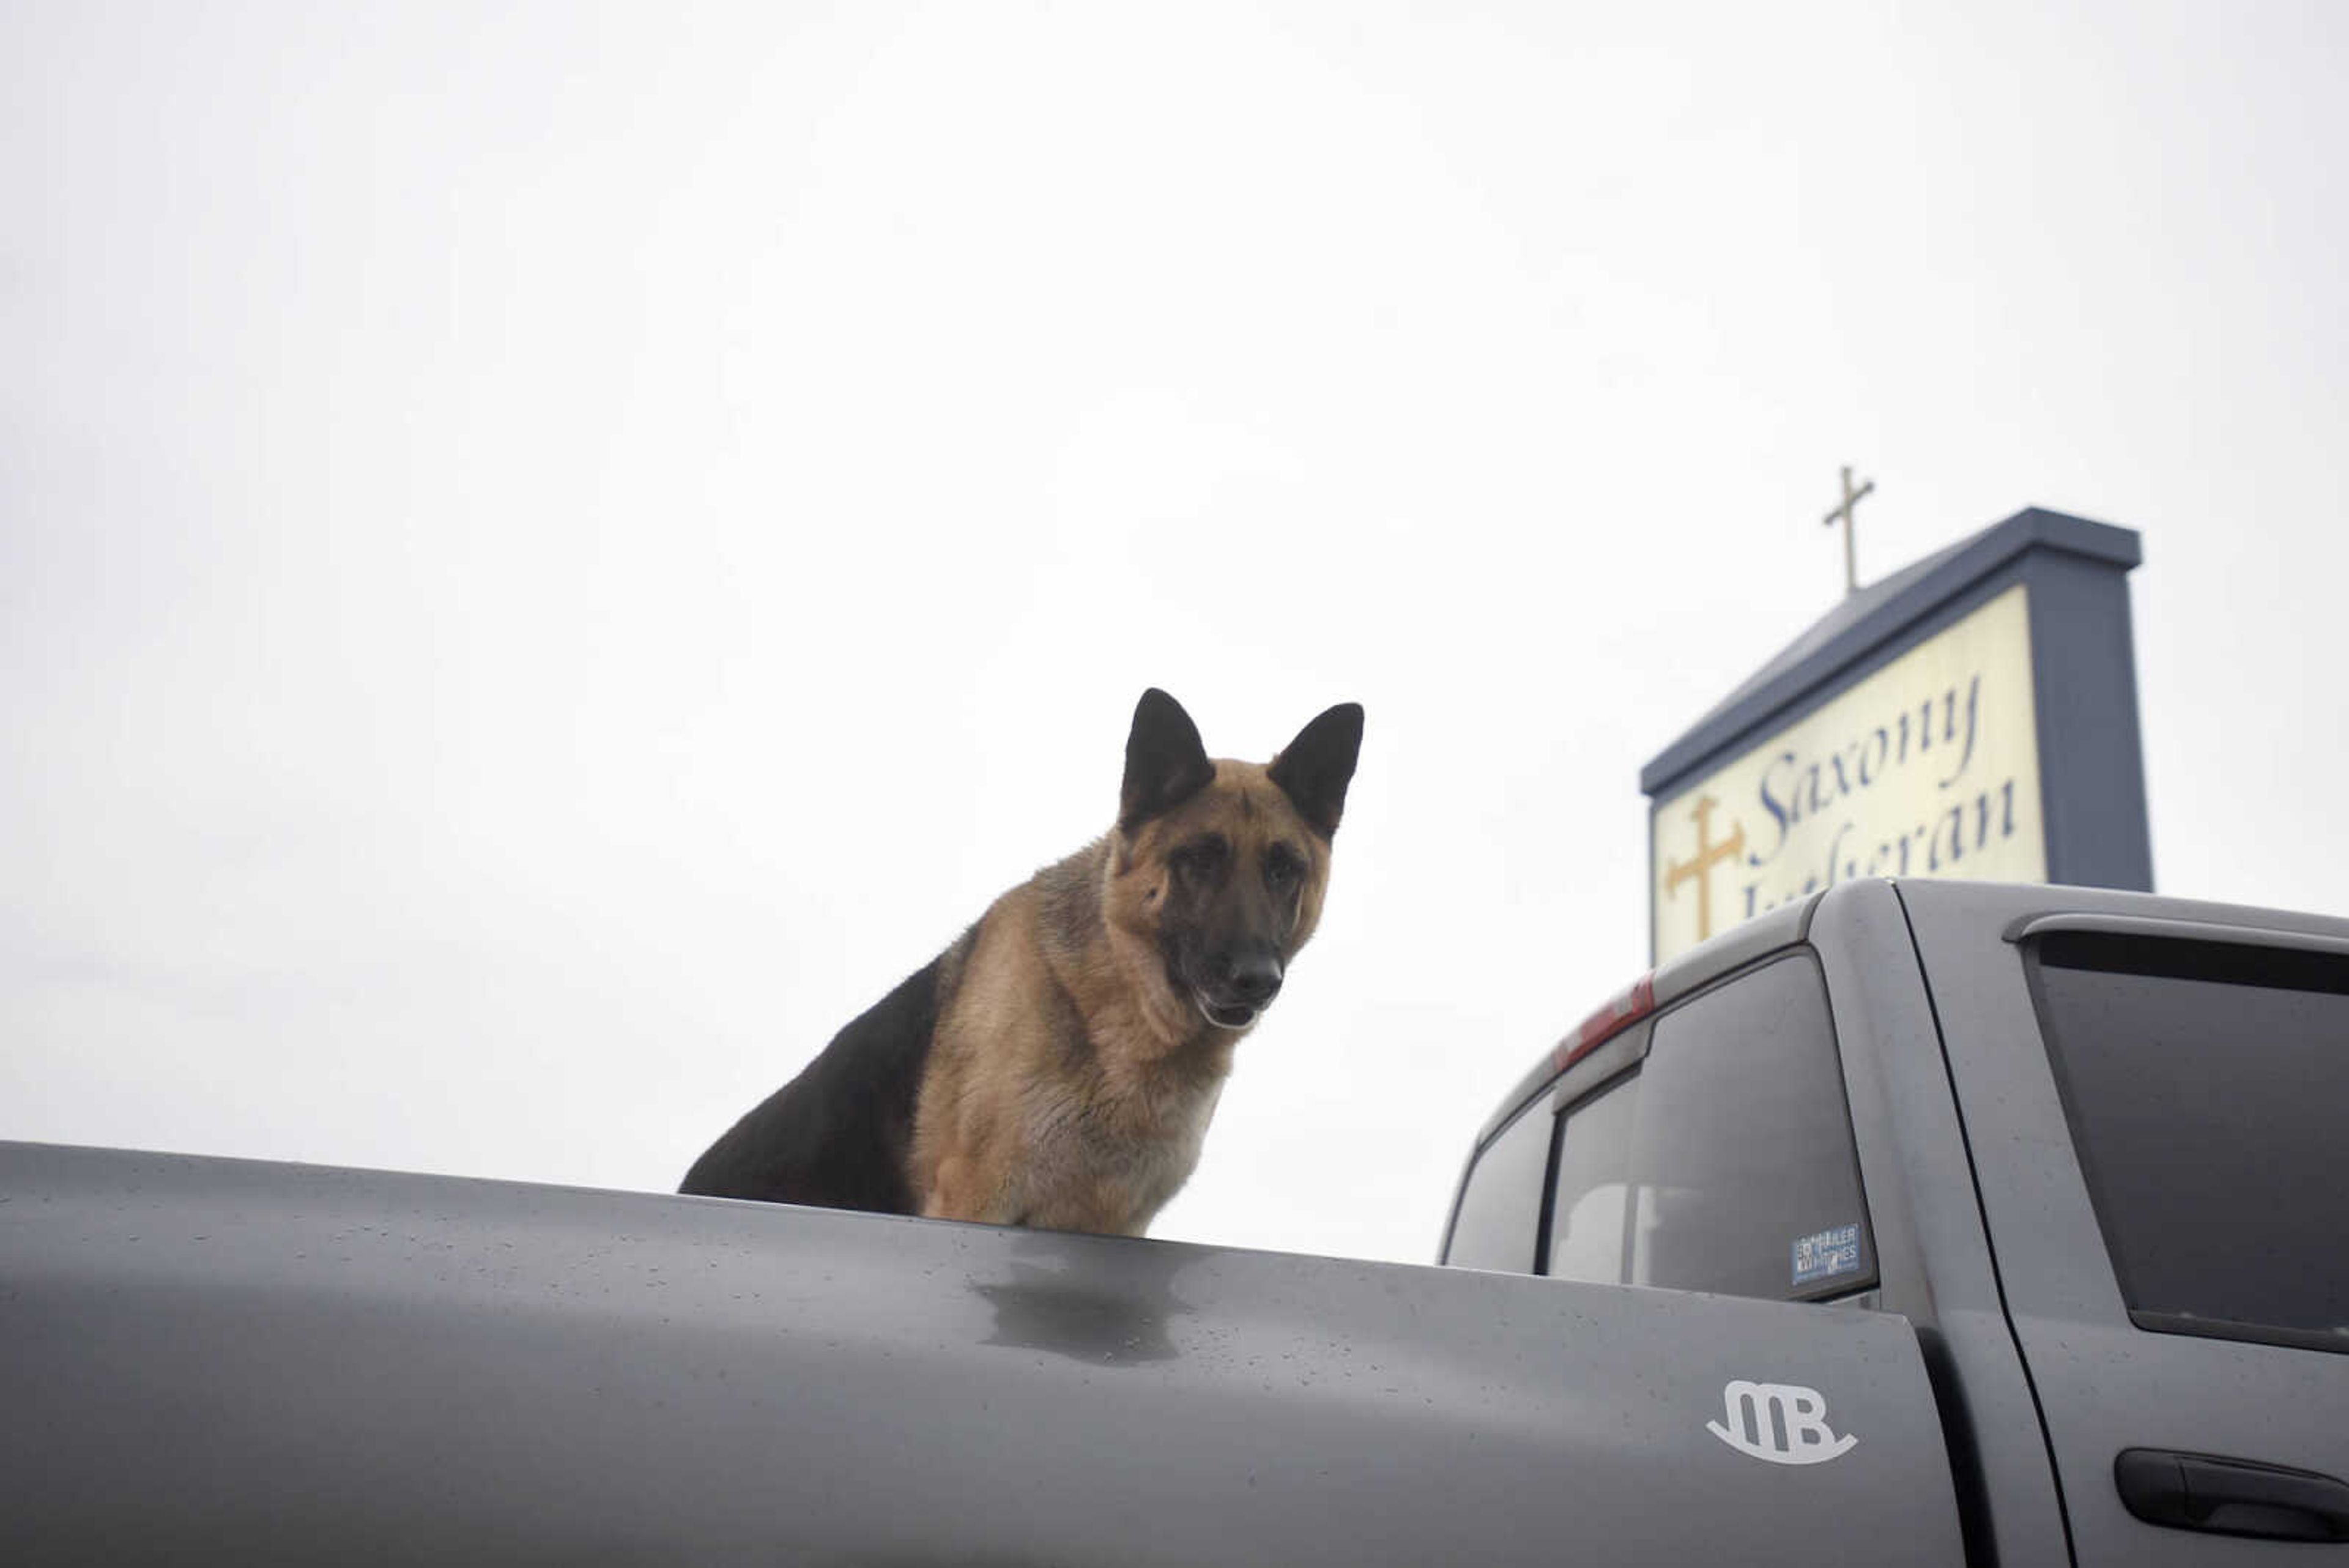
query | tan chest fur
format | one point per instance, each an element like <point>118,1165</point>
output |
<point>1060,1093</point>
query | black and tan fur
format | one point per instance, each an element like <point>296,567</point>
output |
<point>1058,1064</point>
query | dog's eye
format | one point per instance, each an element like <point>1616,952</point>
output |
<point>1200,859</point>
<point>1281,867</point>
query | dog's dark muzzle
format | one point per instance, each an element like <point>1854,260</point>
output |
<point>1253,978</point>
<point>1239,986</point>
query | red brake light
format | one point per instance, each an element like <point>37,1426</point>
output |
<point>1621,1013</point>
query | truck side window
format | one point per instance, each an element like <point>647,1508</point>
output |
<point>1746,1177</point>
<point>1499,1222</point>
<point>2205,1085</point>
<point>1725,1162</point>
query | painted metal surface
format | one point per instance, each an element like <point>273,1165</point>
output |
<point>1933,1250</point>
<point>217,1360</point>
<point>2105,1385</point>
<point>1985,1239</point>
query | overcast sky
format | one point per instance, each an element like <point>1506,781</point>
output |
<point>550,554</point>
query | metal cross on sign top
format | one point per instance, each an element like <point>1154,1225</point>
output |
<point>1850,556</point>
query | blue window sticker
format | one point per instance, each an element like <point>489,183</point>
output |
<point>1826,1254</point>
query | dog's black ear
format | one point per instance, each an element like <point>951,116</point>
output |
<point>1164,762</point>
<point>1314,769</point>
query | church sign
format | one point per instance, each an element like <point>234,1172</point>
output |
<point>1973,716</point>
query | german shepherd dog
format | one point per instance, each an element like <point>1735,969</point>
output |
<point>1056,1067</point>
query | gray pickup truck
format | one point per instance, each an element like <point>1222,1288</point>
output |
<point>1934,1223</point>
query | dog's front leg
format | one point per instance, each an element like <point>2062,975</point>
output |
<point>958,1191</point>
<point>947,1198</point>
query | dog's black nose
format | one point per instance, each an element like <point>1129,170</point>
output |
<point>1256,978</point>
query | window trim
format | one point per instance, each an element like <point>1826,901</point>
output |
<point>2023,932</point>
<point>1626,1052</point>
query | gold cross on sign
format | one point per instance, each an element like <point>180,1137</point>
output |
<point>1708,856</point>
<point>1844,513</point>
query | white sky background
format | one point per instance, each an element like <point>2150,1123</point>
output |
<point>547,558</point>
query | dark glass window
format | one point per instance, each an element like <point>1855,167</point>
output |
<point>2206,1086</point>
<point>1726,1163</point>
<point>1742,1152</point>
<point>1590,1211</point>
<point>1498,1224</point>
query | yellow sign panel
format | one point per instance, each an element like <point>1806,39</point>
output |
<point>1929,767</point>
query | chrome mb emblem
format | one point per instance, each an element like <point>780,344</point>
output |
<point>1781,1422</point>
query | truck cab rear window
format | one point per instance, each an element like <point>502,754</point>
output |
<point>2207,1087</point>
<point>1724,1162</point>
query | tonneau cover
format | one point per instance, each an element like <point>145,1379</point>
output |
<point>219,1360</point>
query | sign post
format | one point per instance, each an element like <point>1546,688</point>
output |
<point>1974,715</point>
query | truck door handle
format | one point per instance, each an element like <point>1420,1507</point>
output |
<point>2232,1496</point>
